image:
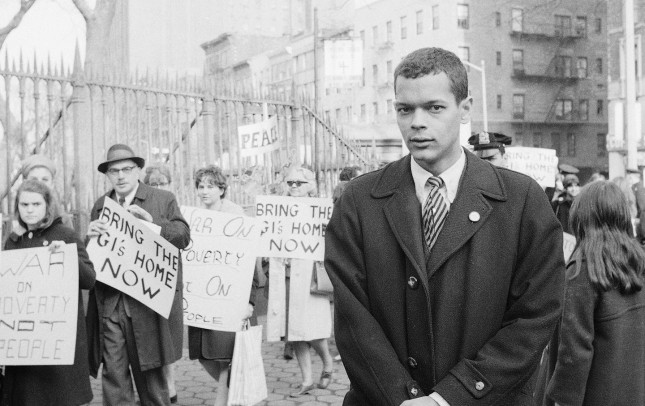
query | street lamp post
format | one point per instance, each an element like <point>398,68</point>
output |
<point>481,69</point>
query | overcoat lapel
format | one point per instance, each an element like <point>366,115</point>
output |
<point>403,212</point>
<point>468,212</point>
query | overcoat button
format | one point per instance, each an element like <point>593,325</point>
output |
<point>474,216</point>
<point>413,282</point>
<point>479,385</point>
<point>412,362</point>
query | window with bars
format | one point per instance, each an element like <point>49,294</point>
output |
<point>581,67</point>
<point>581,27</point>
<point>563,109</point>
<point>518,61</point>
<point>562,26</point>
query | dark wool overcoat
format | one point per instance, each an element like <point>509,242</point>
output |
<point>471,321</point>
<point>158,340</point>
<point>53,385</point>
<point>601,348</point>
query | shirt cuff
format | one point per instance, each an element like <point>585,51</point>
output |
<point>439,399</point>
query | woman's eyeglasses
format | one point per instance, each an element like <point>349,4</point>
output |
<point>296,183</point>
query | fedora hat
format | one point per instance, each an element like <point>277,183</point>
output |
<point>120,152</point>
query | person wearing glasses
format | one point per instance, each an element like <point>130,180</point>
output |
<point>301,182</point>
<point>125,334</point>
<point>158,176</point>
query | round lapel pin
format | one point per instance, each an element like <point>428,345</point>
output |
<point>474,216</point>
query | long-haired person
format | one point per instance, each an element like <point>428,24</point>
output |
<point>52,385</point>
<point>601,351</point>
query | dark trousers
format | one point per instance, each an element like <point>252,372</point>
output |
<point>119,358</point>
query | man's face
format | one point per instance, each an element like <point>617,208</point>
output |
<point>494,156</point>
<point>124,176</point>
<point>429,117</point>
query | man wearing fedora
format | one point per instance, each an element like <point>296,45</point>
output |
<point>123,333</point>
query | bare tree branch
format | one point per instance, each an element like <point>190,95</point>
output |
<point>84,9</point>
<point>25,5</point>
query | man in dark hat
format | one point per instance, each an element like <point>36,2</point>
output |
<point>490,147</point>
<point>124,333</point>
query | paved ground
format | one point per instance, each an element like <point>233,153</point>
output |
<point>196,387</point>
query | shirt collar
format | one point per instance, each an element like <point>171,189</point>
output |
<point>129,197</point>
<point>450,177</point>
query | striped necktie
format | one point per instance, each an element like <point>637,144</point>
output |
<point>435,210</point>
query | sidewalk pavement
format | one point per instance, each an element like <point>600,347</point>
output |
<point>196,387</point>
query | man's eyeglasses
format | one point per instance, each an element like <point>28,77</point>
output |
<point>126,171</point>
<point>297,183</point>
<point>159,184</point>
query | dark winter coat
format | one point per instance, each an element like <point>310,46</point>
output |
<point>470,323</point>
<point>53,385</point>
<point>601,353</point>
<point>156,337</point>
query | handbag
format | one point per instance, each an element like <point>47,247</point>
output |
<point>320,282</point>
<point>248,384</point>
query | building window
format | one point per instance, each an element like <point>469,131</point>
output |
<point>571,144</point>
<point>599,66</point>
<point>581,67</point>
<point>375,35</point>
<point>601,143</point>
<point>419,22</point>
<point>517,20</point>
<point>363,112</point>
<point>404,28</point>
<point>498,58</point>
<point>537,140</point>
<point>363,78</point>
<point>563,67</point>
<point>390,107</point>
<point>555,143</point>
<point>435,17</point>
<point>499,102</point>
<point>600,108</point>
<point>562,26</point>
<point>581,27</point>
<point>327,117</point>
<point>518,106</point>
<point>375,74</point>
<point>563,108</point>
<point>362,33</point>
<point>348,110</point>
<point>375,107</point>
<point>518,61</point>
<point>388,31</point>
<point>338,115</point>
<point>388,64</point>
<point>598,27</point>
<point>498,19</point>
<point>584,110</point>
<point>463,16</point>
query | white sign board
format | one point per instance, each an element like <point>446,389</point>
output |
<point>259,138</point>
<point>135,260</point>
<point>294,227</point>
<point>218,268</point>
<point>38,306</point>
<point>568,245</point>
<point>539,163</point>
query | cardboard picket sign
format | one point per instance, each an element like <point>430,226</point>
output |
<point>38,306</point>
<point>133,259</point>
<point>294,227</point>
<point>218,268</point>
<point>539,163</point>
<point>259,138</point>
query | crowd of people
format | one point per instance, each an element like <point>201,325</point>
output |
<point>450,282</point>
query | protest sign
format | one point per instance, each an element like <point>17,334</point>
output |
<point>38,306</point>
<point>258,138</point>
<point>134,259</point>
<point>568,245</point>
<point>294,227</point>
<point>218,268</point>
<point>539,163</point>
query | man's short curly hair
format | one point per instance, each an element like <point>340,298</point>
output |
<point>427,61</point>
<point>211,175</point>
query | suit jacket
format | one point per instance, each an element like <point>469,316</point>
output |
<point>157,339</point>
<point>469,323</point>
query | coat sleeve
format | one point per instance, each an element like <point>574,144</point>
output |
<point>86,272</point>
<point>575,351</point>
<point>174,227</point>
<point>505,363</point>
<point>372,364</point>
